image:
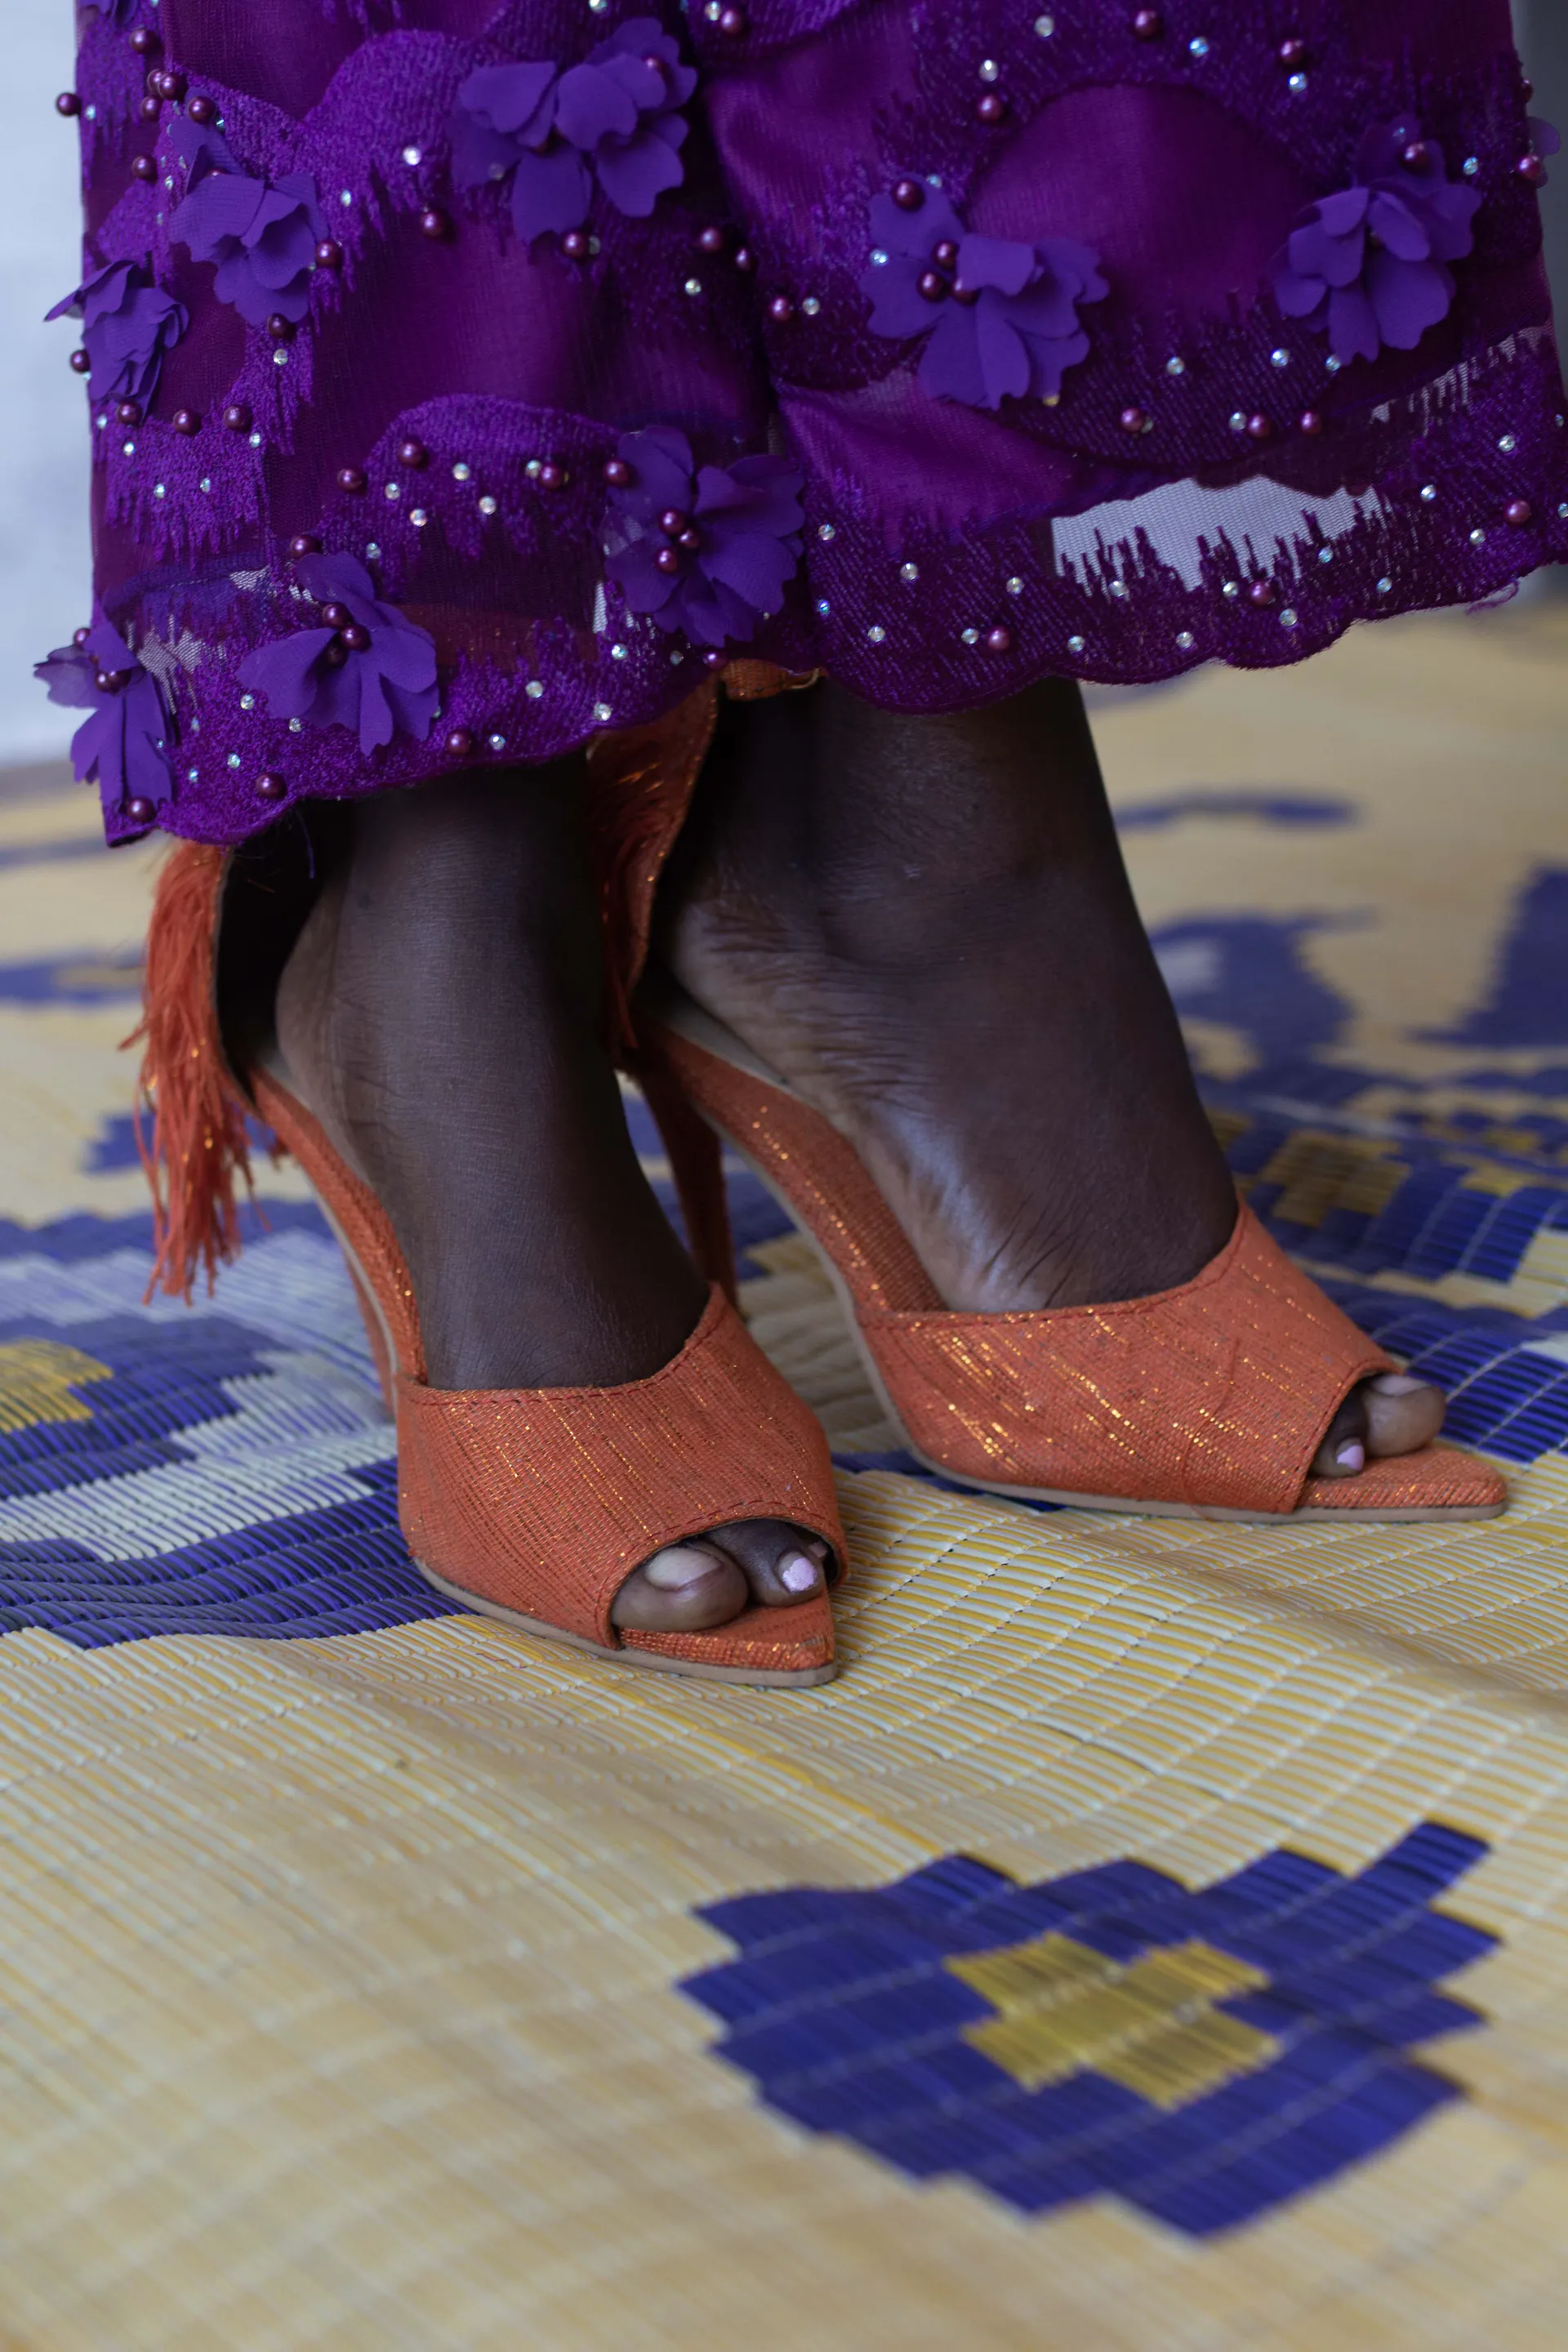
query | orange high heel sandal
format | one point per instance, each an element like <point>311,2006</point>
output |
<point>1206,1401</point>
<point>529,1505</point>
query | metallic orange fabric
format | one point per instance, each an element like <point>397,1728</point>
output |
<point>545,1500</point>
<point>640,782</point>
<point>541,1501</point>
<point>1213,1396</point>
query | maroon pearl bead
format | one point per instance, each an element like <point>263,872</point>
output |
<point>1532,170</point>
<point>129,411</point>
<point>576,244</point>
<point>1259,428</point>
<point>1291,53</point>
<point>236,419</point>
<point>619,473</point>
<point>304,542</point>
<point>713,658</point>
<point>186,421</point>
<point>946,254</point>
<point>436,223</point>
<point>352,479</point>
<point>1310,422</point>
<point>1417,156</point>
<point>414,455</point>
<point>354,638</point>
<point>1262,593</point>
<point>201,108</point>
<point>552,477</point>
<point>143,40</point>
<point>143,167</point>
<point>80,637</point>
<point>992,108</point>
<point>461,743</point>
<point>336,616</point>
<point>150,109</point>
<point>672,522</point>
<point>667,560</point>
<point>329,253</point>
<point>999,640</point>
<point>746,261</point>
<point>152,83</point>
<point>334,653</point>
<point>172,85</point>
<point>281,329</point>
<point>1148,23</point>
<point>68,103</point>
<point>1519,513</point>
<point>80,363</point>
<point>690,538</point>
<point>967,295</point>
<point>140,809</point>
<point>713,240</point>
<point>272,786</point>
<point>909,195</point>
<point>1132,420</point>
<point>731,23</point>
<point>781,309</point>
<point>113,681</point>
<point>932,286</point>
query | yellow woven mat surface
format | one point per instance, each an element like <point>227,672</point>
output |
<point>1155,1939</point>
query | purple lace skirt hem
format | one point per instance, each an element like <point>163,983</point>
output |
<point>457,394</point>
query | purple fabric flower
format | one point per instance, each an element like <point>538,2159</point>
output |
<point>707,551</point>
<point>1370,265</point>
<point>372,671</point>
<point>262,234</point>
<point>1546,141</point>
<point>128,324</point>
<point>1002,317</point>
<point>614,116</point>
<point>124,739</point>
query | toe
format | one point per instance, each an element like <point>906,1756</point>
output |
<point>784,1564</point>
<point>686,1589</point>
<point>1342,1454</point>
<point>1402,1413</point>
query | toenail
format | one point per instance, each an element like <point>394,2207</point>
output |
<point>1351,1456</point>
<point>1398,1384</point>
<point>798,1574</point>
<point>673,1569</point>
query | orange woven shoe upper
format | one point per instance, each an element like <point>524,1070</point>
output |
<point>542,1501</point>
<point>1212,1396</point>
<point>545,1500</point>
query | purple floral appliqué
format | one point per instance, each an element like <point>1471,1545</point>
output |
<point>262,234</point>
<point>615,115</point>
<point>123,741</point>
<point>366,667</point>
<point>128,324</point>
<point>1002,317</point>
<point>1370,265</point>
<point>707,551</point>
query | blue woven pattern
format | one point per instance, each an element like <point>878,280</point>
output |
<point>843,2009</point>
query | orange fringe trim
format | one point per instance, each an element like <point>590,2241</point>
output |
<point>197,1146</point>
